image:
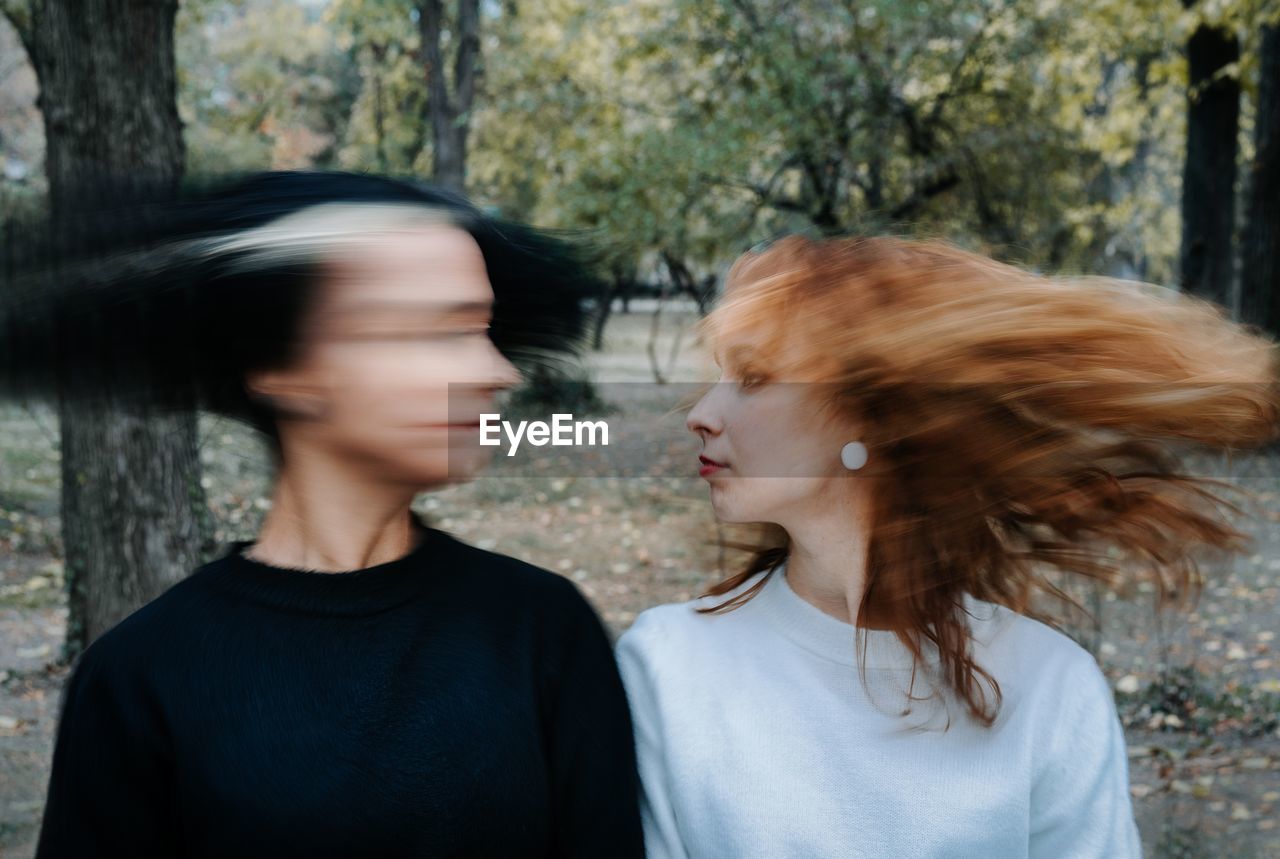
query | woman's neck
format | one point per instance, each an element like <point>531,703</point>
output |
<point>830,577</point>
<point>329,517</point>
<point>827,560</point>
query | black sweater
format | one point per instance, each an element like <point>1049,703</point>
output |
<point>453,702</point>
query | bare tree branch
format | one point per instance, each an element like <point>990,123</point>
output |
<point>764,192</point>
<point>970,49</point>
<point>926,192</point>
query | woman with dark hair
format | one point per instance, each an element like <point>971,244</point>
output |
<point>933,438</point>
<point>354,682</point>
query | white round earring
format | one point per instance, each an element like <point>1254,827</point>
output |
<point>853,455</point>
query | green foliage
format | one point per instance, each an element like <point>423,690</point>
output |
<point>547,391</point>
<point>261,85</point>
<point>388,130</point>
<point>701,128</point>
<point>1037,130</point>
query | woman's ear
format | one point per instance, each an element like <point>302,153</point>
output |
<point>284,394</point>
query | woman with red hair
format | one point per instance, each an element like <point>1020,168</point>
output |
<point>934,440</point>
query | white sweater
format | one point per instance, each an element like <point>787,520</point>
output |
<point>757,738</point>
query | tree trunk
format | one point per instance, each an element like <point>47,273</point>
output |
<point>449,110</point>
<point>1209,174</point>
<point>134,519</point>
<point>603,312</point>
<point>701,291</point>
<point>379,108</point>
<point>1260,245</point>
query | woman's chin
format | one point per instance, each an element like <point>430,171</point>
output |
<point>468,462</point>
<point>442,469</point>
<point>728,513</point>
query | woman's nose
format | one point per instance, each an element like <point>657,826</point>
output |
<point>704,417</point>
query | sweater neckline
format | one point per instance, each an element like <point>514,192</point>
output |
<point>351,592</point>
<point>818,632</point>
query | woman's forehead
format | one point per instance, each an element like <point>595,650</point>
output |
<point>430,264</point>
<point>795,346</point>
<point>744,324</point>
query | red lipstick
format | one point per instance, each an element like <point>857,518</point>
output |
<point>709,466</point>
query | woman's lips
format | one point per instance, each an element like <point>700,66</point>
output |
<point>709,466</point>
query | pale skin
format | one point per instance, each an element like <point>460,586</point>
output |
<point>782,466</point>
<point>396,367</point>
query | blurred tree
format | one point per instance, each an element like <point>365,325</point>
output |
<point>1260,245</point>
<point>262,85</point>
<point>452,96</point>
<point>422,76</point>
<point>388,130</point>
<point>679,132</point>
<point>1116,78</point>
<point>1209,176</point>
<point>687,130</point>
<point>134,518</point>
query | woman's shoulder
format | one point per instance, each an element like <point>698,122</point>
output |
<point>505,577</point>
<point>136,646</point>
<point>675,626</point>
<point>657,624</point>
<point>998,625</point>
<point>1030,653</point>
<point>655,647</point>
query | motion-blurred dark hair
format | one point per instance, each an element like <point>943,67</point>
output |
<point>164,302</point>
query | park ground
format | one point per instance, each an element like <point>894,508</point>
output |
<point>1198,691</point>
